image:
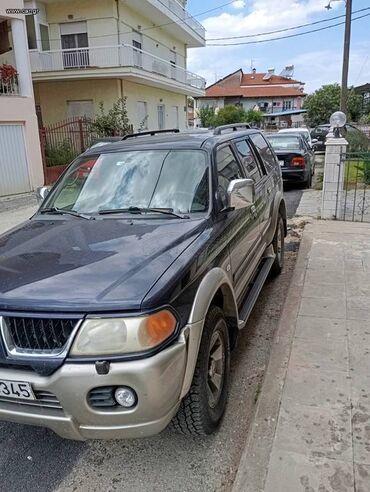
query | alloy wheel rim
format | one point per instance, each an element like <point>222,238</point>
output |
<point>216,368</point>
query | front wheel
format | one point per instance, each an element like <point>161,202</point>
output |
<point>278,245</point>
<point>201,411</point>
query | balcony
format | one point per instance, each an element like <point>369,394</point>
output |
<point>173,17</point>
<point>122,61</point>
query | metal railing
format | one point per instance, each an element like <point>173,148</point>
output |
<point>175,8</point>
<point>123,55</point>
<point>9,87</point>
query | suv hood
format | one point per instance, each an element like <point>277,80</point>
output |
<point>76,265</point>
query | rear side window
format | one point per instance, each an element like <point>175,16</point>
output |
<point>264,151</point>
<point>250,163</point>
<point>227,170</point>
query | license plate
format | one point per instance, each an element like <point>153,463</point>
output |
<point>16,389</point>
<point>282,163</point>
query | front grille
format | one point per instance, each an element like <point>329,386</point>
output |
<point>44,399</point>
<point>39,334</point>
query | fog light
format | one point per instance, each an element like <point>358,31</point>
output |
<point>125,397</point>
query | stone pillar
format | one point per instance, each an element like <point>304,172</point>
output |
<point>22,61</point>
<point>332,191</point>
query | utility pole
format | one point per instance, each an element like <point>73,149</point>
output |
<point>347,39</point>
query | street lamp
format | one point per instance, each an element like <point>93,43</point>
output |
<point>347,39</point>
<point>337,121</point>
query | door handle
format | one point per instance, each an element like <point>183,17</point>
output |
<point>254,211</point>
<point>269,189</point>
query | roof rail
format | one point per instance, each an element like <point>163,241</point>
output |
<point>234,127</point>
<point>151,133</point>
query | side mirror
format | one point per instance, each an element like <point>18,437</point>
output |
<point>41,193</point>
<point>314,140</point>
<point>241,193</point>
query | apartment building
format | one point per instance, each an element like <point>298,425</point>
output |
<point>266,91</point>
<point>21,167</point>
<point>91,51</point>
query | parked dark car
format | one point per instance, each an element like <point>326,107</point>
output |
<point>357,139</point>
<point>122,297</point>
<point>296,158</point>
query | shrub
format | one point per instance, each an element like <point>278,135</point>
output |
<point>114,122</point>
<point>60,154</point>
<point>206,115</point>
<point>229,114</point>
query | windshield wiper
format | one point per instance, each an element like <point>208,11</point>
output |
<point>139,210</point>
<point>61,211</point>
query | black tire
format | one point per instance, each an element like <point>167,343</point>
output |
<point>278,245</point>
<point>200,412</point>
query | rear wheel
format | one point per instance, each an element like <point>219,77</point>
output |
<point>202,409</point>
<point>278,245</point>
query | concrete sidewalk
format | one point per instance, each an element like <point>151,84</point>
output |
<point>16,209</point>
<point>311,431</point>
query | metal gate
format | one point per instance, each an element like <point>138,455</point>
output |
<point>353,191</point>
<point>14,177</point>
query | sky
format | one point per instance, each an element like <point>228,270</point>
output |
<point>317,57</point>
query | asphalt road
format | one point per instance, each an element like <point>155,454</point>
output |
<point>35,459</point>
<point>292,196</point>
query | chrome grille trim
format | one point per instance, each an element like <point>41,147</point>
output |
<point>17,352</point>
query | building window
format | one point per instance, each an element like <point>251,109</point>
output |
<point>137,43</point>
<point>142,115</point>
<point>161,116</point>
<point>31,32</point>
<point>4,37</point>
<point>175,116</point>
<point>45,41</point>
<point>80,109</point>
<point>74,40</point>
<point>287,105</point>
<point>173,61</point>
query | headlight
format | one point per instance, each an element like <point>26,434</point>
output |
<point>116,336</point>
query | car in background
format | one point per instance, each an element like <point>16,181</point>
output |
<point>296,158</point>
<point>305,132</point>
<point>357,138</point>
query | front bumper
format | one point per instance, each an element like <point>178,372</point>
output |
<point>158,382</point>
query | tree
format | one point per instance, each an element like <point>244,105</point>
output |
<point>325,101</point>
<point>114,122</point>
<point>206,115</point>
<point>229,114</point>
<point>254,116</point>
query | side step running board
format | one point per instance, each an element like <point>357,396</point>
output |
<point>254,291</point>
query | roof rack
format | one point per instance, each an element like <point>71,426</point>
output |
<point>151,133</point>
<point>234,127</point>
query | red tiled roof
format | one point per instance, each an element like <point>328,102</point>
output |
<point>257,79</point>
<point>267,91</point>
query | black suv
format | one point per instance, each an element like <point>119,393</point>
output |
<point>122,297</point>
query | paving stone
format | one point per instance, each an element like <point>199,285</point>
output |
<point>333,291</point>
<point>329,278</point>
<point>362,477</point>
<point>358,307</point>
<point>326,264</point>
<point>361,432</point>
<point>317,387</point>
<point>293,472</point>
<point>320,328</point>
<point>359,347</point>
<point>322,307</point>
<point>315,432</point>
<point>328,354</point>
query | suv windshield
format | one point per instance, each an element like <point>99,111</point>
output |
<point>284,142</point>
<point>175,180</point>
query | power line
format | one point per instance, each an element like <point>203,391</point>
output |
<point>179,21</point>
<point>286,37</point>
<point>286,28</point>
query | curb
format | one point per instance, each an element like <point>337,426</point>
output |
<point>254,461</point>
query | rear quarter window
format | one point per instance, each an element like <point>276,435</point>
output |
<point>264,150</point>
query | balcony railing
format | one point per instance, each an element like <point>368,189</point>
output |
<point>175,8</point>
<point>112,56</point>
<point>9,87</point>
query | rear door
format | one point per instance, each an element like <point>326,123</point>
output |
<point>240,227</point>
<point>271,178</point>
